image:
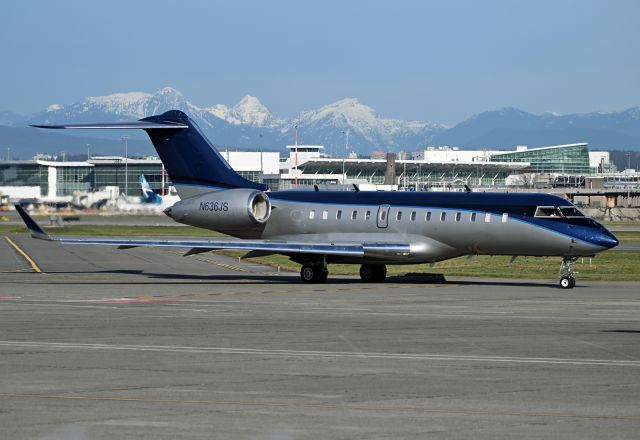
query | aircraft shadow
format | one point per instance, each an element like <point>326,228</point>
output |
<point>179,278</point>
<point>249,279</point>
<point>506,283</point>
<point>622,331</point>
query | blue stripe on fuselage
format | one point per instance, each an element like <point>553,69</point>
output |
<point>511,203</point>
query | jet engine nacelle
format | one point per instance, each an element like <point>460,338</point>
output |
<point>227,210</point>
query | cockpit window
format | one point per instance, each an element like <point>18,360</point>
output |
<point>548,211</point>
<point>571,211</point>
<point>558,211</point>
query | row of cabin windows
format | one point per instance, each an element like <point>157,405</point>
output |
<point>383,216</point>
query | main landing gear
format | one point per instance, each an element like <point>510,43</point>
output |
<point>373,273</point>
<point>314,273</point>
<point>567,279</point>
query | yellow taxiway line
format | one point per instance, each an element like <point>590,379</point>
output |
<point>24,254</point>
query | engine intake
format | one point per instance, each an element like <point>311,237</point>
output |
<point>227,210</point>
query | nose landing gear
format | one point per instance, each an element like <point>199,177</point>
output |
<point>567,278</point>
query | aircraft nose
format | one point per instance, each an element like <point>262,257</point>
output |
<point>167,211</point>
<point>607,239</point>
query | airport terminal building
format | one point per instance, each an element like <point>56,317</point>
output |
<point>434,168</point>
<point>58,180</point>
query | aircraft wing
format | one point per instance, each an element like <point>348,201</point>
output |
<point>348,249</point>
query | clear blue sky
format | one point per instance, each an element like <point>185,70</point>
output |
<point>435,60</point>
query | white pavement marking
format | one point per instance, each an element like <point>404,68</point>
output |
<point>324,354</point>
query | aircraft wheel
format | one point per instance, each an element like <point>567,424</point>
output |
<point>381,273</point>
<point>567,282</point>
<point>308,273</point>
<point>373,273</point>
<point>313,274</point>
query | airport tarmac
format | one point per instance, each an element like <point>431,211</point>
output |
<point>98,343</point>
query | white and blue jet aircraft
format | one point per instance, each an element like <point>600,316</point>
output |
<point>148,196</point>
<point>374,229</point>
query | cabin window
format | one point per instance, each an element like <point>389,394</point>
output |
<point>325,215</point>
<point>354,215</point>
<point>487,217</point>
<point>413,216</point>
<point>473,217</point>
<point>312,214</point>
<point>443,216</point>
<point>458,216</point>
<point>399,216</point>
<point>505,216</point>
<point>367,215</point>
<point>383,215</point>
<point>428,217</point>
<point>338,214</point>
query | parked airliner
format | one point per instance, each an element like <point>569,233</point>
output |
<point>373,229</point>
<point>148,196</point>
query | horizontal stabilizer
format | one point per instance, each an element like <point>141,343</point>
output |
<point>144,125</point>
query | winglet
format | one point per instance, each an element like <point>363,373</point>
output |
<point>34,228</point>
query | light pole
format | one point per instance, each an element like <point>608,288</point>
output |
<point>88,152</point>
<point>126,166</point>
<point>345,133</point>
<point>295,176</point>
<point>261,160</point>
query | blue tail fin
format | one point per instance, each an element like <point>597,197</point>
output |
<point>189,157</point>
<point>193,163</point>
<point>147,194</point>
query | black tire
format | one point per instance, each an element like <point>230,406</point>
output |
<point>367,273</point>
<point>313,274</point>
<point>308,273</point>
<point>567,282</point>
<point>381,273</point>
<point>373,273</point>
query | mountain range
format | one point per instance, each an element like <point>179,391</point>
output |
<point>250,125</point>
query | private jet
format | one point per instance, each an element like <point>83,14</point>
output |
<point>316,228</point>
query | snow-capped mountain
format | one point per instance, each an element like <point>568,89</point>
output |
<point>117,107</point>
<point>364,125</point>
<point>249,123</point>
<point>248,111</point>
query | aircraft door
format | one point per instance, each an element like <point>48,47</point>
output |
<point>383,216</point>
